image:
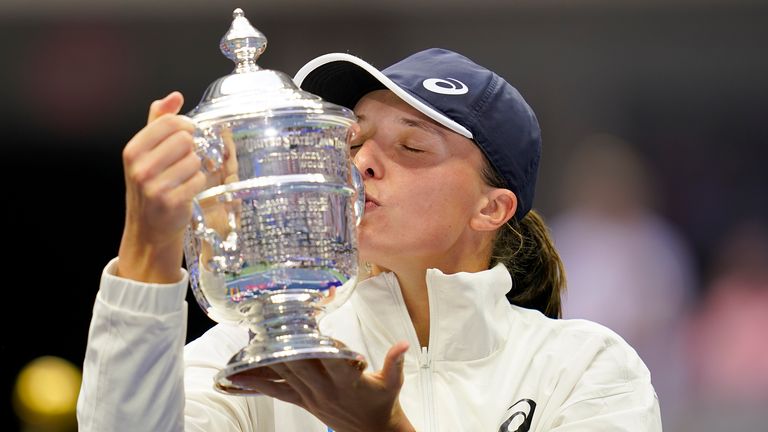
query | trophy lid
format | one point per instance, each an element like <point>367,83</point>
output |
<point>251,91</point>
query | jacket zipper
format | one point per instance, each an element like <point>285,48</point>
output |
<point>425,376</point>
<point>425,361</point>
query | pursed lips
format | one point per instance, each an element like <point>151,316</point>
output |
<point>371,202</point>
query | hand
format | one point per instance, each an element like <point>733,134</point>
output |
<point>162,175</point>
<point>341,395</point>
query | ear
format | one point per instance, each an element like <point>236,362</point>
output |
<point>496,208</point>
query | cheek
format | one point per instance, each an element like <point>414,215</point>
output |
<point>450,197</point>
<point>438,211</point>
<point>428,207</point>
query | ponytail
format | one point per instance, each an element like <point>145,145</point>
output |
<point>527,250</point>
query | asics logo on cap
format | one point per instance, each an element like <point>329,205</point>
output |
<point>444,86</point>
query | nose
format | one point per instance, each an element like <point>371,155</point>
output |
<point>368,160</point>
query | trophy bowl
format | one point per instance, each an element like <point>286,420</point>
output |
<point>272,242</point>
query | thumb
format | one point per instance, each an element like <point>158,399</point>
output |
<point>392,372</point>
<point>170,104</point>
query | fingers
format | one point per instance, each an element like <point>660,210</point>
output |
<point>342,370</point>
<point>339,393</point>
<point>155,134</point>
<point>171,104</point>
<point>278,390</point>
<point>170,170</point>
<point>178,184</point>
<point>156,160</point>
<point>163,123</point>
<point>313,377</point>
<point>392,371</point>
<point>230,157</point>
<point>301,375</point>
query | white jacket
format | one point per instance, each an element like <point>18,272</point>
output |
<point>489,366</point>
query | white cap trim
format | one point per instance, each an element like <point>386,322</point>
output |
<point>388,83</point>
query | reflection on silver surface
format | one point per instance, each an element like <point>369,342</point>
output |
<point>272,244</point>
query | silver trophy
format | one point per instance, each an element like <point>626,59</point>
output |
<point>272,242</point>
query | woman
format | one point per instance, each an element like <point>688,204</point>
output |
<point>449,153</point>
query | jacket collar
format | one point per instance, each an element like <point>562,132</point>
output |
<point>469,314</point>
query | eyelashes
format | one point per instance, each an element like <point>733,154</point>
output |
<point>354,148</point>
<point>411,149</point>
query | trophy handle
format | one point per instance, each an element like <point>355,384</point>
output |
<point>224,254</point>
<point>208,145</point>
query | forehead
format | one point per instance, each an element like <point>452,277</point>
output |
<point>380,104</point>
<point>385,106</point>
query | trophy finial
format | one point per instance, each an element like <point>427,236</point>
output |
<point>242,43</point>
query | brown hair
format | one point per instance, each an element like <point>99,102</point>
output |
<point>527,250</point>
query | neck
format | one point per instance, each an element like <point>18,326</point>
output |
<point>413,285</point>
<point>470,254</point>
<point>412,278</point>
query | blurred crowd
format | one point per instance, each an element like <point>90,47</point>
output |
<point>697,323</point>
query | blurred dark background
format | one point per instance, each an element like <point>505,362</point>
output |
<point>682,81</point>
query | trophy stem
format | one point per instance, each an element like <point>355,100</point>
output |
<point>283,328</point>
<point>286,312</point>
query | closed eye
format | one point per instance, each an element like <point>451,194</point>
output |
<point>411,149</point>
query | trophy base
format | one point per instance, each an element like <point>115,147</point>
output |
<point>249,368</point>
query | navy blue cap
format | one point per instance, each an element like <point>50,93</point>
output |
<point>453,91</point>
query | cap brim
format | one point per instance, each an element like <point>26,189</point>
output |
<point>344,79</point>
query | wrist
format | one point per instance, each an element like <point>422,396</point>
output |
<point>399,422</point>
<point>151,263</point>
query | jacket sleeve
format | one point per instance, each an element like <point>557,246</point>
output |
<point>133,373</point>
<point>207,409</point>
<point>613,392</point>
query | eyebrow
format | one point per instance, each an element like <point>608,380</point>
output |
<point>412,122</point>
<point>424,125</point>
